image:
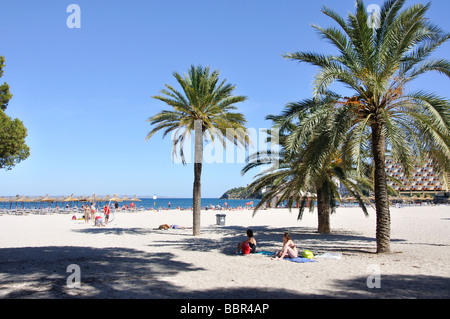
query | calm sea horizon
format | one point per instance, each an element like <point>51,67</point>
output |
<point>146,203</point>
<point>184,203</point>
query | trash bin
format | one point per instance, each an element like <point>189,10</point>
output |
<point>220,219</point>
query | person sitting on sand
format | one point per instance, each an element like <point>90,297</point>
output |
<point>99,221</point>
<point>288,249</point>
<point>250,243</point>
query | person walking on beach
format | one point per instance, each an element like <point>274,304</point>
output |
<point>289,249</point>
<point>93,211</point>
<point>169,205</point>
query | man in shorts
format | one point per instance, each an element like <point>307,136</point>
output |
<point>107,210</point>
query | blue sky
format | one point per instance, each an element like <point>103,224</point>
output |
<point>85,94</point>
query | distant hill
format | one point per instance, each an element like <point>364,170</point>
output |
<point>240,193</point>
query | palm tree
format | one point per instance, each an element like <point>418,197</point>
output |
<point>298,173</point>
<point>206,107</point>
<point>377,65</point>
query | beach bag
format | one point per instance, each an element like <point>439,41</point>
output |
<point>307,254</point>
<point>245,248</point>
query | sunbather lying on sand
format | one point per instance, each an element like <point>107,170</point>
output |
<point>166,226</point>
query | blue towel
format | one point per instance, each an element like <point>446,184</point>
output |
<point>266,253</point>
<point>300,260</point>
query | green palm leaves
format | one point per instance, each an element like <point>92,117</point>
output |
<point>380,116</point>
<point>204,99</point>
<point>310,165</point>
<point>377,65</point>
<point>205,105</point>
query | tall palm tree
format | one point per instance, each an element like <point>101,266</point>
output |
<point>298,174</point>
<point>206,107</point>
<point>377,64</point>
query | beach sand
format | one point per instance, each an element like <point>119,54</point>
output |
<point>129,258</point>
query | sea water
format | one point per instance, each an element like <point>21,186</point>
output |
<point>148,203</point>
<point>186,203</point>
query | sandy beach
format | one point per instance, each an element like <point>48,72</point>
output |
<point>129,258</point>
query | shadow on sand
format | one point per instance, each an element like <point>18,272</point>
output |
<point>41,272</point>
<point>270,239</point>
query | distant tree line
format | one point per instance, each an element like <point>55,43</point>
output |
<point>241,193</point>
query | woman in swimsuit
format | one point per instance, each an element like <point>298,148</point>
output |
<point>251,242</point>
<point>289,248</point>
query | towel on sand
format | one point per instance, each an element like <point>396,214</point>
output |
<point>297,260</point>
<point>300,260</point>
<point>266,253</point>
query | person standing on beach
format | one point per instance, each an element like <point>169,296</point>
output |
<point>86,214</point>
<point>169,205</point>
<point>107,210</point>
<point>93,211</point>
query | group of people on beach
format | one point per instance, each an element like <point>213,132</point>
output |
<point>288,250</point>
<point>90,214</point>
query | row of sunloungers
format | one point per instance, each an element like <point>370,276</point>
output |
<point>36,211</point>
<point>49,211</point>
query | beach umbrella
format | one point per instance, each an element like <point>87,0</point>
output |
<point>48,199</point>
<point>115,198</point>
<point>101,199</point>
<point>135,199</point>
<point>13,200</point>
<point>34,200</point>
<point>28,200</point>
<point>20,200</point>
<point>71,199</point>
<point>92,199</point>
<point>3,200</point>
<point>125,199</point>
<point>104,199</point>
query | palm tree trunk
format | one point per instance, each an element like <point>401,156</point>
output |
<point>323,212</point>
<point>198,160</point>
<point>383,231</point>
